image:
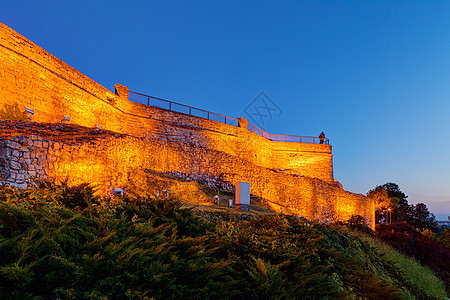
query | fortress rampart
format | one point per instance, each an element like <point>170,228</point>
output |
<point>156,139</point>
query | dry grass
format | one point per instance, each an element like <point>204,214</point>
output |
<point>58,132</point>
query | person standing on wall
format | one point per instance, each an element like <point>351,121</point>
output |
<point>322,137</point>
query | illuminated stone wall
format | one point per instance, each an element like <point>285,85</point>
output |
<point>160,139</point>
<point>120,162</point>
<point>34,78</point>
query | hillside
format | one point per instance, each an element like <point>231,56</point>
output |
<point>63,242</point>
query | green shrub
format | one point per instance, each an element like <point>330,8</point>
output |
<point>419,280</point>
<point>13,113</point>
<point>67,243</point>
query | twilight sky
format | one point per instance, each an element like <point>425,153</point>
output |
<point>373,75</point>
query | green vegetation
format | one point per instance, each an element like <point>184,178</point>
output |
<point>443,237</point>
<point>13,112</point>
<point>61,242</point>
<point>392,207</point>
<point>416,277</point>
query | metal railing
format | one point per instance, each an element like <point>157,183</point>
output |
<point>181,108</point>
<point>201,113</point>
<point>287,138</point>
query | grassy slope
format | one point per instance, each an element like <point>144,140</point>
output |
<point>62,242</point>
<point>416,277</point>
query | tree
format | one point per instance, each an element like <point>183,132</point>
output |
<point>390,196</point>
<point>382,202</point>
<point>422,218</point>
<point>400,207</point>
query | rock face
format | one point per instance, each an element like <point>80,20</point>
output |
<point>293,177</point>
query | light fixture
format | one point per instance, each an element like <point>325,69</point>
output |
<point>29,110</point>
<point>117,192</point>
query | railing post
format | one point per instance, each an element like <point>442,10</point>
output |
<point>241,122</point>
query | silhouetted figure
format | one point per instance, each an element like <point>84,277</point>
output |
<point>322,137</point>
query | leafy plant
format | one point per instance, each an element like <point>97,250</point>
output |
<point>412,243</point>
<point>13,112</point>
<point>67,243</point>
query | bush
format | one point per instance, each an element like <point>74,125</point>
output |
<point>64,242</point>
<point>443,238</point>
<point>412,243</point>
<point>13,113</point>
<point>419,280</point>
<point>358,223</point>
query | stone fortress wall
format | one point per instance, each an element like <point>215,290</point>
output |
<point>155,139</point>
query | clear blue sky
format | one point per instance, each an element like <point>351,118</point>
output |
<point>374,75</point>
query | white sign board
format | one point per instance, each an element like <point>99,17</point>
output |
<point>242,194</point>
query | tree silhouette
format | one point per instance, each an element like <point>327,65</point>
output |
<point>422,218</point>
<point>390,196</point>
<point>400,207</point>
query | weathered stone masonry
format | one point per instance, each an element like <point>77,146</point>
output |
<point>160,140</point>
<point>113,162</point>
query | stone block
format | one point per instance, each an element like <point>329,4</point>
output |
<point>4,152</point>
<point>12,145</point>
<point>15,165</point>
<point>24,141</point>
<point>3,162</point>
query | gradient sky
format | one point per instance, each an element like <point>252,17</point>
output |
<point>373,75</point>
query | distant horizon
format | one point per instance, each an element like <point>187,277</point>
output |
<point>442,217</point>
